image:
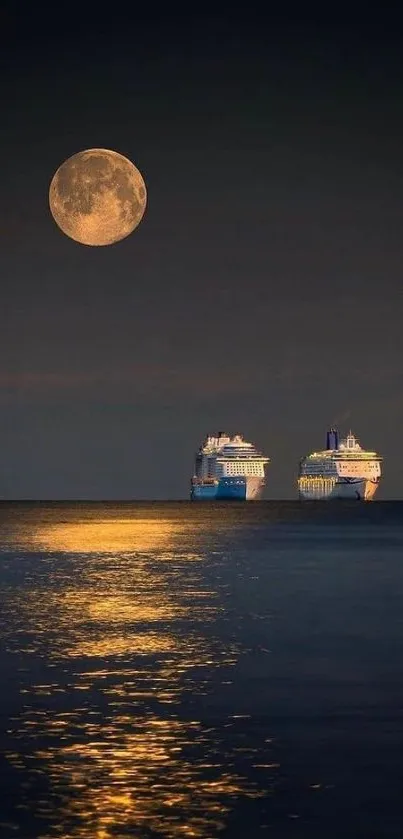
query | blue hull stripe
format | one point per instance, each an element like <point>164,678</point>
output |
<point>226,489</point>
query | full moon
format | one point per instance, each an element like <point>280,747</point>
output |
<point>97,197</point>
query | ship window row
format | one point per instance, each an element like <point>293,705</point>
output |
<point>316,482</point>
<point>239,456</point>
<point>356,467</point>
<point>243,469</point>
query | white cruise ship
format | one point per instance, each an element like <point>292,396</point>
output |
<point>228,468</point>
<point>342,470</point>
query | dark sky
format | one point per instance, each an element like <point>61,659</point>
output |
<point>262,292</point>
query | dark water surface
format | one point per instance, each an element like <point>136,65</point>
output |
<point>177,670</point>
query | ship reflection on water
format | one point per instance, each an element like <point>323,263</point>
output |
<point>117,613</point>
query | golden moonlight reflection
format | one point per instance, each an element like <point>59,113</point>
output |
<point>105,535</point>
<point>160,778</point>
<point>117,615</point>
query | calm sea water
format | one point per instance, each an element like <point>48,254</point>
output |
<point>175,670</point>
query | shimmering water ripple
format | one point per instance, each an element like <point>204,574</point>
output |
<point>112,613</point>
<point>141,698</point>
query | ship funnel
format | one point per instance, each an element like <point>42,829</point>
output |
<point>332,439</point>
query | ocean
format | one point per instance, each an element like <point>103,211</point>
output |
<point>201,670</point>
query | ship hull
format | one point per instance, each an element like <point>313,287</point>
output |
<point>358,489</point>
<point>229,489</point>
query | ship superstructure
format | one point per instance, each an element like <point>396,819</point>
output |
<point>228,468</point>
<point>342,470</point>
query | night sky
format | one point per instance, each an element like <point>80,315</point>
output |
<point>261,293</point>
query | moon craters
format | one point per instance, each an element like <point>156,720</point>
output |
<point>97,197</point>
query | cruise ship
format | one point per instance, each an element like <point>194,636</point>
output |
<point>342,470</point>
<point>228,468</point>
